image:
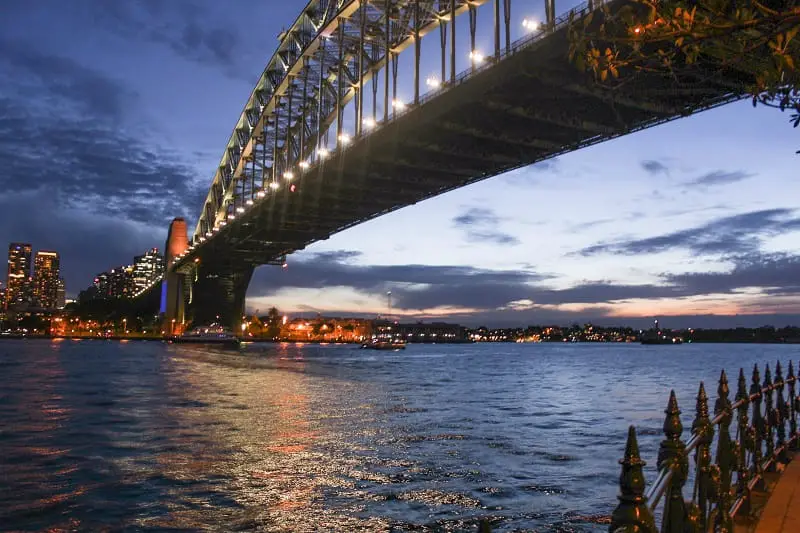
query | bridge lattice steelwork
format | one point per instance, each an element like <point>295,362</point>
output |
<point>293,173</point>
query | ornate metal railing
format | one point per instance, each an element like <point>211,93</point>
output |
<point>764,420</point>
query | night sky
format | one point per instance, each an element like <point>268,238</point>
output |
<point>114,114</point>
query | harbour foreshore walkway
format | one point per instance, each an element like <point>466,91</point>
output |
<point>782,511</point>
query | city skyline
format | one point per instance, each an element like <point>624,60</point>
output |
<point>692,218</point>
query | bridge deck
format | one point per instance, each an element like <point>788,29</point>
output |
<point>782,512</point>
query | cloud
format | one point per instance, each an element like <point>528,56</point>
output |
<point>719,177</point>
<point>733,235</point>
<point>654,167</point>
<point>187,27</point>
<point>509,297</point>
<point>73,179</point>
<point>64,139</point>
<point>481,225</point>
<point>777,274</point>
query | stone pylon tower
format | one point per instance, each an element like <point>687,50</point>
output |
<point>175,305</point>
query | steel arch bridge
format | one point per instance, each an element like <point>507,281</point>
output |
<point>297,168</point>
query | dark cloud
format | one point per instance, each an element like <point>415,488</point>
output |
<point>719,177</point>
<point>733,235</point>
<point>777,274</point>
<point>188,27</point>
<point>481,225</point>
<point>518,297</point>
<point>74,178</point>
<point>64,139</point>
<point>654,167</point>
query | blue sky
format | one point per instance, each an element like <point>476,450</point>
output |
<point>113,117</point>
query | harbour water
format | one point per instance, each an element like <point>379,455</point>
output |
<point>101,435</point>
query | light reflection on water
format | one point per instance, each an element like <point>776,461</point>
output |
<point>284,438</point>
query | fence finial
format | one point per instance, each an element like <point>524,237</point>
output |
<point>632,512</point>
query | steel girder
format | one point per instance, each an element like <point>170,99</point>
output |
<point>322,62</point>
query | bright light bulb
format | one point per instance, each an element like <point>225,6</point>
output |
<point>530,24</point>
<point>476,56</point>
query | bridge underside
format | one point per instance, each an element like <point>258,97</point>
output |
<point>531,105</point>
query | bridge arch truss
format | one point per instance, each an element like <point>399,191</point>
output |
<point>336,52</point>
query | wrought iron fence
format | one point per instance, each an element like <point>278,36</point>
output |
<point>763,419</point>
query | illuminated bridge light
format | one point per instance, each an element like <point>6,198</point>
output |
<point>289,175</point>
<point>304,165</point>
<point>397,104</point>
<point>344,139</point>
<point>203,239</point>
<point>476,57</point>
<point>530,24</point>
<point>369,123</point>
<point>261,194</point>
<point>433,82</point>
<point>223,223</point>
<point>323,153</point>
<point>249,201</point>
<point>274,185</point>
<point>208,234</point>
<point>240,209</point>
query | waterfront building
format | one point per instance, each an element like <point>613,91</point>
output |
<point>61,294</point>
<point>147,268</point>
<point>18,280</point>
<point>46,272</point>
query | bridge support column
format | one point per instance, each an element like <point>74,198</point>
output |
<point>218,295</point>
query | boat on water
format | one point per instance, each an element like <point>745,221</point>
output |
<point>384,344</point>
<point>657,336</point>
<point>213,334</point>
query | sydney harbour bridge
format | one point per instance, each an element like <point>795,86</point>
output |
<point>326,141</point>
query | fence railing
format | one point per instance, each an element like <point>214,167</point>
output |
<point>763,420</point>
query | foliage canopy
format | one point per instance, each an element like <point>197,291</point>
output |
<point>671,36</point>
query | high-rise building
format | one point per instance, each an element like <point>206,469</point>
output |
<point>147,268</point>
<point>19,274</point>
<point>46,271</point>
<point>116,283</point>
<point>61,294</point>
